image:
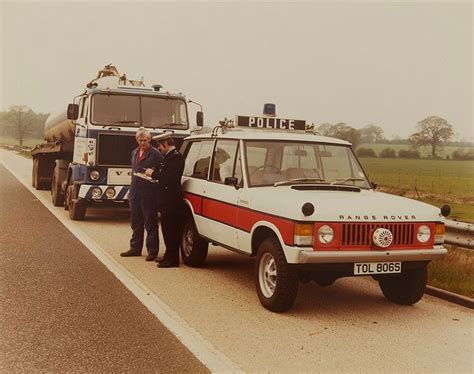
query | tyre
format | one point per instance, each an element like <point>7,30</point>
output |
<point>276,282</point>
<point>76,206</point>
<point>193,247</point>
<point>57,195</point>
<point>36,181</point>
<point>406,288</point>
<point>34,172</point>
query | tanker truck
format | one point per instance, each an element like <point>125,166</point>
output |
<point>85,159</point>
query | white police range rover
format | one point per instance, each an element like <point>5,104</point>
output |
<point>304,207</point>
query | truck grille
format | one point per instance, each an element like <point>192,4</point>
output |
<point>115,149</point>
<point>360,234</point>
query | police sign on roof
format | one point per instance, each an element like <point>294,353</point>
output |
<point>270,123</point>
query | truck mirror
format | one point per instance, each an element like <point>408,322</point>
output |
<point>72,111</point>
<point>199,119</point>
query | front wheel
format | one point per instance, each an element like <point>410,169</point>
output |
<point>76,206</point>
<point>193,247</point>
<point>406,288</point>
<point>277,284</point>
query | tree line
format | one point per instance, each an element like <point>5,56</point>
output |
<point>22,123</point>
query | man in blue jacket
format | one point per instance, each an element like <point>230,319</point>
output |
<point>141,197</point>
<point>169,197</point>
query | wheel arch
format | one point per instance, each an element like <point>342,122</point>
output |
<point>261,231</point>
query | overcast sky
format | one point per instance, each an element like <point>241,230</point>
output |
<point>383,63</point>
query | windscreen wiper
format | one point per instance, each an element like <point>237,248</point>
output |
<point>172,124</point>
<point>120,123</point>
<point>344,180</point>
<point>298,180</point>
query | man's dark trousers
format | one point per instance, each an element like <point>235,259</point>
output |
<point>171,226</point>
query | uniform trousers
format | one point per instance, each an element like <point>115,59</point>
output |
<point>171,227</point>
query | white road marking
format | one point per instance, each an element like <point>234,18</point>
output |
<point>213,359</point>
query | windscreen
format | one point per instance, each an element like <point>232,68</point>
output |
<point>134,110</point>
<point>269,162</point>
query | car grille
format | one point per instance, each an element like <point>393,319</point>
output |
<point>360,234</point>
<point>115,149</point>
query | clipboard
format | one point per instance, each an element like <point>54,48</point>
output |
<point>146,177</point>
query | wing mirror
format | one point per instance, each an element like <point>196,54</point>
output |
<point>232,181</point>
<point>72,111</point>
<point>199,119</point>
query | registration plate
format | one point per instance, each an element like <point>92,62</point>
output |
<point>367,268</point>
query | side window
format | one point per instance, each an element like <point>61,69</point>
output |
<point>224,160</point>
<point>198,159</point>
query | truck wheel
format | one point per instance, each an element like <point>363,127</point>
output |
<point>276,282</point>
<point>34,172</point>
<point>406,288</point>
<point>36,182</point>
<point>76,206</point>
<point>193,247</point>
<point>57,195</point>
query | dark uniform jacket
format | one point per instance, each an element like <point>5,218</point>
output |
<point>169,175</point>
<point>139,186</point>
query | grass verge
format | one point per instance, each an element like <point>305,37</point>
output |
<point>453,272</point>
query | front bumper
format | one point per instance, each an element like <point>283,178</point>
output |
<point>121,192</point>
<point>327,257</point>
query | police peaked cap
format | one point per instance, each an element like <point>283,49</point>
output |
<point>165,135</point>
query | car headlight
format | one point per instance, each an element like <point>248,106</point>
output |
<point>325,234</point>
<point>94,175</point>
<point>423,234</point>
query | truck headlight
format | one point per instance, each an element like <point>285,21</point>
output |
<point>96,193</point>
<point>110,193</point>
<point>423,234</point>
<point>94,175</point>
<point>325,234</point>
<point>303,234</point>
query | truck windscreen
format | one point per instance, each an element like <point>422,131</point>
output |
<point>133,110</point>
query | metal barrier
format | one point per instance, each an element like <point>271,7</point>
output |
<point>460,234</point>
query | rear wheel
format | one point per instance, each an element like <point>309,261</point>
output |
<point>76,205</point>
<point>57,195</point>
<point>35,175</point>
<point>277,284</point>
<point>193,247</point>
<point>406,288</point>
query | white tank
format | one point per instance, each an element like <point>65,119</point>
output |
<point>58,127</point>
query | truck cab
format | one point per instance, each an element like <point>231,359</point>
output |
<point>86,161</point>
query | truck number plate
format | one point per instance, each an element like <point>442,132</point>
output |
<point>367,268</point>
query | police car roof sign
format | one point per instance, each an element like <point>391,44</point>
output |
<point>270,123</point>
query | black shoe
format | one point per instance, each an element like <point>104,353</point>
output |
<point>159,259</point>
<point>151,257</point>
<point>168,264</point>
<point>130,253</point>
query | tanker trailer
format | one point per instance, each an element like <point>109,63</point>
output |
<point>85,159</point>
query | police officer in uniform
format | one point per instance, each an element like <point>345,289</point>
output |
<point>169,197</point>
<point>143,208</point>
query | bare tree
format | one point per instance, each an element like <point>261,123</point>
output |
<point>432,131</point>
<point>371,134</point>
<point>341,130</point>
<point>21,120</point>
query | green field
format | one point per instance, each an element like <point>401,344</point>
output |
<point>433,181</point>
<point>425,151</point>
